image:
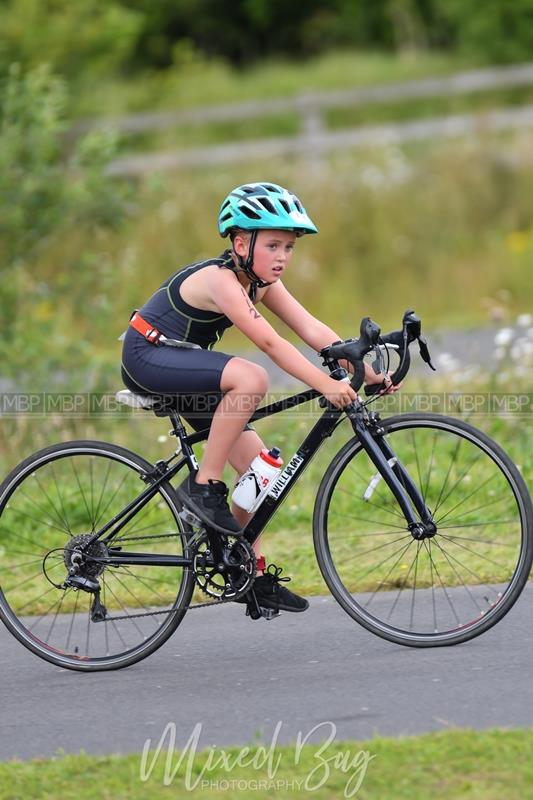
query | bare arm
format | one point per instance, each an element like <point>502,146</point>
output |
<point>232,300</point>
<point>311,330</point>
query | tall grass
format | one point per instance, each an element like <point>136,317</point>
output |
<point>446,229</point>
<point>195,81</point>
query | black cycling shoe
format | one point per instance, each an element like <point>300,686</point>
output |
<point>270,594</point>
<point>209,502</point>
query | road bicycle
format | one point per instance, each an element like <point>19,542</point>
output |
<point>422,528</point>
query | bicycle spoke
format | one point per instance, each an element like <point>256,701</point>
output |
<point>443,586</point>
<point>460,581</point>
<point>457,483</point>
<point>416,460</point>
<point>37,521</point>
<point>52,504</point>
<point>430,467</point>
<point>104,485</point>
<point>387,506</point>
<point>432,582</point>
<point>460,503</point>
<point>144,583</point>
<point>80,488</point>
<point>45,613</point>
<point>450,467</point>
<point>470,550</point>
<point>479,508</point>
<point>111,499</point>
<point>363,519</point>
<point>404,584</point>
<point>71,626</point>
<point>360,553</point>
<point>400,550</point>
<point>479,581</point>
<point>91,484</point>
<point>123,607</point>
<point>63,511</point>
<point>413,591</point>
<point>54,618</point>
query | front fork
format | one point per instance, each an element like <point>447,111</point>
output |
<point>370,433</point>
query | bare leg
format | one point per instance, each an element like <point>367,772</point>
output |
<point>244,385</point>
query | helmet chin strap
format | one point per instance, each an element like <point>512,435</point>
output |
<point>247,267</point>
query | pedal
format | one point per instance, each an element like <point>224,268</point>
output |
<point>268,613</point>
<point>255,611</point>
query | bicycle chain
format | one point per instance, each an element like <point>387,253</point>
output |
<point>173,610</point>
<point>181,608</point>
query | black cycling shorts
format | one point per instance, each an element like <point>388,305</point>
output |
<point>190,374</point>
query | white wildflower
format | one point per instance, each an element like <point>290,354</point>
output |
<point>503,337</point>
<point>524,320</point>
<point>447,363</point>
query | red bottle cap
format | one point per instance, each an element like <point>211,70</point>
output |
<point>270,458</point>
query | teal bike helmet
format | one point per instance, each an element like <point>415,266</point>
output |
<point>261,206</point>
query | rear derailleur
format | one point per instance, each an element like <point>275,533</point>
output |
<point>85,565</point>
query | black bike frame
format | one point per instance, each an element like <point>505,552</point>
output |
<point>366,427</point>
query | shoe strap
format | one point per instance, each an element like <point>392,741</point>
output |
<point>274,572</point>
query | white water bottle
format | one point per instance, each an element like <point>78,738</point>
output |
<point>252,487</point>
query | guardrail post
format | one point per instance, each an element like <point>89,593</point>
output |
<point>312,131</point>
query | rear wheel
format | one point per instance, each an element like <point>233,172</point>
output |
<point>441,590</point>
<point>49,506</point>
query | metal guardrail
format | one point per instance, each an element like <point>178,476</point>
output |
<point>314,137</point>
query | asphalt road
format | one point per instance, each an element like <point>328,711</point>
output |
<point>242,680</point>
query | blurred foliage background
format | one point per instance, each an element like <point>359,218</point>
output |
<point>444,226</point>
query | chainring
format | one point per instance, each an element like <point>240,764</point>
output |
<point>232,576</point>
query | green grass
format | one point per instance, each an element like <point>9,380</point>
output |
<point>448,765</point>
<point>211,82</point>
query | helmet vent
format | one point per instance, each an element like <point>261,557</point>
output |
<point>271,188</point>
<point>298,205</point>
<point>248,189</point>
<point>265,202</point>
<point>249,213</point>
<point>285,206</point>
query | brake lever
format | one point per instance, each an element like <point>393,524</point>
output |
<point>424,352</point>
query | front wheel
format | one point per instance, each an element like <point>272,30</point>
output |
<point>441,590</point>
<point>49,506</point>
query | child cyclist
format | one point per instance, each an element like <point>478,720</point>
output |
<point>195,305</point>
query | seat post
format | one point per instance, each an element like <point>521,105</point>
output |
<point>181,435</point>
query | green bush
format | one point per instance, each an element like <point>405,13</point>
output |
<point>43,193</point>
<point>98,35</point>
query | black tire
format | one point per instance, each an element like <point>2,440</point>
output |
<point>420,598</point>
<point>64,491</point>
